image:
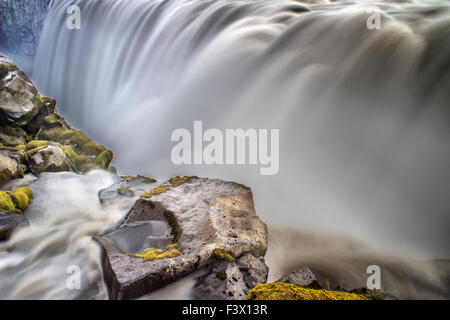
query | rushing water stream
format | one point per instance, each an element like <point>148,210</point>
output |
<point>363,117</point>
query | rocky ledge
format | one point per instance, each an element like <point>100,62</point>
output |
<point>173,228</point>
<point>179,227</point>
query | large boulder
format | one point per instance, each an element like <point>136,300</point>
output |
<point>227,280</point>
<point>18,96</point>
<point>180,226</point>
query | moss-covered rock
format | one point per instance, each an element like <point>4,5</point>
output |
<point>9,168</point>
<point>35,136</point>
<point>16,201</point>
<point>287,291</point>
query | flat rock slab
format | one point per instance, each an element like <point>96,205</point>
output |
<point>200,215</point>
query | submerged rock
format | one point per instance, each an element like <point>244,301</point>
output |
<point>34,137</point>
<point>126,187</point>
<point>231,280</point>
<point>10,222</point>
<point>194,216</point>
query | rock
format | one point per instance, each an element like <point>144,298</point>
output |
<point>254,269</point>
<point>198,216</point>
<point>9,168</point>
<point>10,222</point>
<point>49,158</point>
<point>231,280</point>
<point>126,187</point>
<point>21,23</point>
<point>25,115</point>
<point>303,277</point>
<point>224,281</point>
<point>17,98</point>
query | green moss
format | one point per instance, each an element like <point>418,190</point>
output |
<point>287,291</point>
<point>6,203</point>
<point>222,255</point>
<point>37,144</point>
<point>82,151</point>
<point>153,254</point>
<point>25,190</point>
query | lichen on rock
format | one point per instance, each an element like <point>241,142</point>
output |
<point>287,291</point>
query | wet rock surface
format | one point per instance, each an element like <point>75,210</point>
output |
<point>197,216</point>
<point>231,280</point>
<point>10,222</point>
<point>126,187</point>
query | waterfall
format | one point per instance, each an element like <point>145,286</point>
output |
<point>362,113</point>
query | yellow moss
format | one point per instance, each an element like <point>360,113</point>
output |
<point>6,203</point>
<point>84,153</point>
<point>222,255</point>
<point>178,181</point>
<point>37,144</point>
<point>18,147</point>
<point>157,190</point>
<point>152,254</point>
<point>287,291</point>
<point>173,182</point>
<point>26,190</point>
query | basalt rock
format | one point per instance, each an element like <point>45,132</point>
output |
<point>34,137</point>
<point>231,280</point>
<point>303,277</point>
<point>180,226</point>
<point>10,222</point>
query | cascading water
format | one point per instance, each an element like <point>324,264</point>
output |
<point>363,114</point>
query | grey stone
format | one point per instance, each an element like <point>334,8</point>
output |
<point>303,277</point>
<point>201,215</point>
<point>50,158</point>
<point>9,168</point>
<point>10,222</point>
<point>231,280</point>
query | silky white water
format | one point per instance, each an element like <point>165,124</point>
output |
<point>363,114</point>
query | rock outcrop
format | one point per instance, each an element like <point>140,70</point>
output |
<point>231,280</point>
<point>181,226</point>
<point>303,277</point>
<point>34,137</point>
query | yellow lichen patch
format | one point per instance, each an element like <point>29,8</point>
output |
<point>173,182</point>
<point>157,190</point>
<point>152,254</point>
<point>178,181</point>
<point>222,255</point>
<point>287,291</point>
